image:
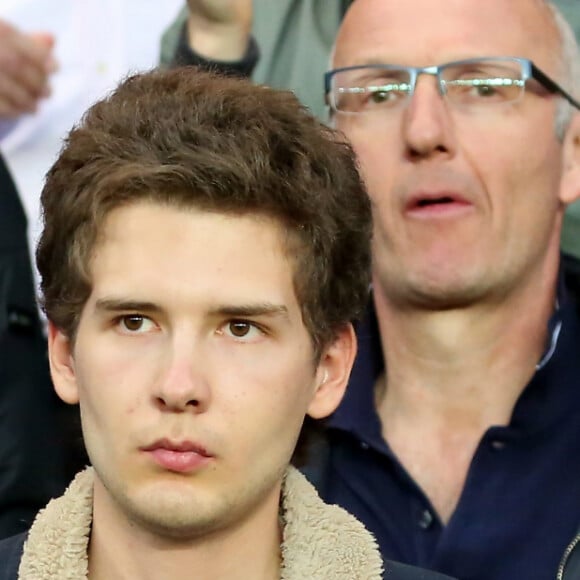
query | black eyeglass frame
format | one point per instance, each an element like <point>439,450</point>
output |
<point>529,71</point>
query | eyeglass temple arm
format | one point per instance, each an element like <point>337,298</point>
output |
<point>327,77</point>
<point>549,84</point>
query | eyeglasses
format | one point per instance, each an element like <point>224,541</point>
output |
<point>476,82</point>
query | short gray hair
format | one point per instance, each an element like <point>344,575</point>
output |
<point>570,68</point>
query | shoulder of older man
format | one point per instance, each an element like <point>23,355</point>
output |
<point>396,571</point>
<point>10,554</point>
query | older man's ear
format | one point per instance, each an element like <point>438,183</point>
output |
<point>570,184</point>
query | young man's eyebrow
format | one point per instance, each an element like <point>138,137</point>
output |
<point>234,310</point>
<point>258,309</point>
<point>122,305</point>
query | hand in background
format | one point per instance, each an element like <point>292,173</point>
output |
<point>219,29</point>
<point>26,63</point>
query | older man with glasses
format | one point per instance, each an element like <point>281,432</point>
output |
<point>457,442</point>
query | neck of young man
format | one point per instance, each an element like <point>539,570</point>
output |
<point>451,375</point>
<point>120,549</point>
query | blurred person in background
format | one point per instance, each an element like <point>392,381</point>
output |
<point>56,58</point>
<point>33,451</point>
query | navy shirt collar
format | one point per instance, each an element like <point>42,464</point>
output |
<point>357,413</point>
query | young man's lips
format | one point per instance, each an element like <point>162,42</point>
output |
<point>182,456</point>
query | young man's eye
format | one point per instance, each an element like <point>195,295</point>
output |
<point>242,329</point>
<point>135,323</point>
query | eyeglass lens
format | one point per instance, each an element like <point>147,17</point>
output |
<point>469,83</point>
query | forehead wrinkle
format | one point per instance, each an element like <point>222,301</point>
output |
<point>366,20</point>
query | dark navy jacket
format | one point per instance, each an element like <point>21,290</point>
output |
<point>33,450</point>
<point>11,551</point>
<point>520,506</point>
<point>570,566</point>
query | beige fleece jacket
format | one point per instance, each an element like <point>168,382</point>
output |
<point>320,541</point>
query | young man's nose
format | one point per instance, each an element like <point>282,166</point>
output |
<point>183,385</point>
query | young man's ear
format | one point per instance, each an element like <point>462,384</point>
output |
<point>333,373</point>
<point>570,183</point>
<point>62,365</point>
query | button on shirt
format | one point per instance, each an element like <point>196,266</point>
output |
<point>520,505</point>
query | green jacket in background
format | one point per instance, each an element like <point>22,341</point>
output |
<point>295,38</point>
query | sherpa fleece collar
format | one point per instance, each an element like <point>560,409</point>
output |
<point>320,542</point>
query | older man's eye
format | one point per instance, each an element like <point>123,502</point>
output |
<point>388,93</point>
<point>485,90</point>
<point>381,96</point>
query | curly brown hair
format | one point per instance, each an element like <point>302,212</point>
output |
<point>189,138</point>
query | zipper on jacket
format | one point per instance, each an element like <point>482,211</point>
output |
<point>565,557</point>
